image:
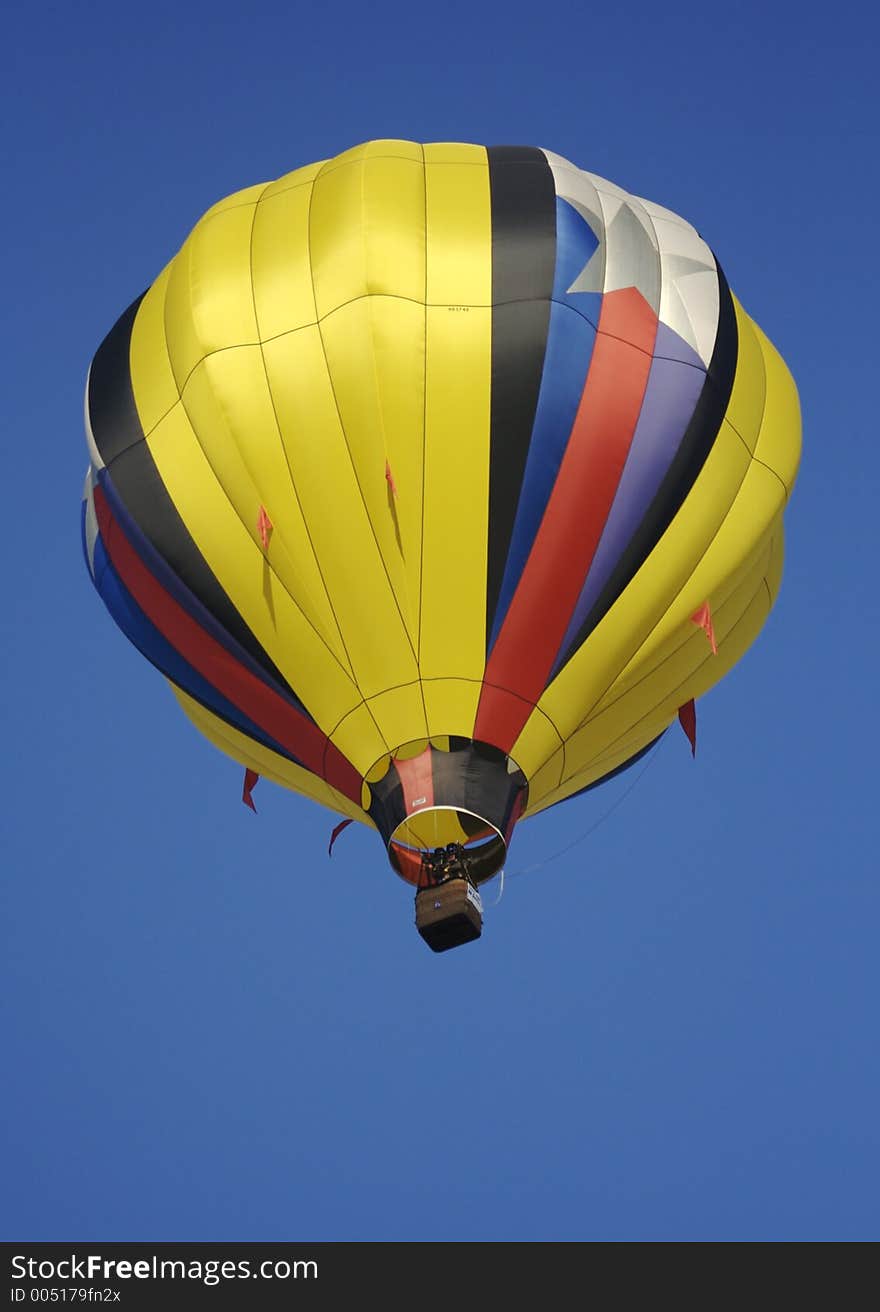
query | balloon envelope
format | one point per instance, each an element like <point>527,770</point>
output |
<point>412,468</point>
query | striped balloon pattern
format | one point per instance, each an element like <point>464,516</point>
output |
<point>411,469</point>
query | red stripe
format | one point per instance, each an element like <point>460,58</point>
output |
<point>251,778</point>
<point>276,717</point>
<point>409,862</point>
<point>417,779</point>
<point>687,718</point>
<point>560,559</point>
<point>343,824</point>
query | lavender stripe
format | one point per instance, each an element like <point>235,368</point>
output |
<point>671,394</point>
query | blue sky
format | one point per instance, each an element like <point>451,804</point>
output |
<point>209,1030</point>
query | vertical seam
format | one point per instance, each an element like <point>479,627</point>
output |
<point>281,438</point>
<point>341,425</point>
<point>424,449</point>
<point>348,450</point>
<point>182,402</point>
<point>369,298</point>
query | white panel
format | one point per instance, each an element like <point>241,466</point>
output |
<point>644,245</point>
<point>91,524</point>
<point>94,453</point>
<point>699,295</point>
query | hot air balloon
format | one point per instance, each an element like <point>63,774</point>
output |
<point>436,480</point>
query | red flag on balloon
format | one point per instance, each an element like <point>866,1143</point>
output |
<point>703,618</point>
<point>264,527</point>
<point>389,479</point>
<point>687,718</point>
<point>250,779</point>
<point>343,824</point>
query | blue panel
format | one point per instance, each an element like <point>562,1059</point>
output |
<point>576,243</point>
<point>85,548</point>
<point>570,338</point>
<point>569,349</point>
<point>150,643</point>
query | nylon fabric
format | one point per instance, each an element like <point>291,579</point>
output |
<point>510,429</point>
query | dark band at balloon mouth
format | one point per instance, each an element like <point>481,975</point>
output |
<point>452,790</point>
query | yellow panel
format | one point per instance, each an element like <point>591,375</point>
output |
<point>692,672</point>
<point>378,769</point>
<point>623,749</point>
<point>398,338</point>
<point>757,504</point>
<point>455,152</point>
<point>537,742</point>
<point>451,706</point>
<point>661,585</point>
<point>456,510</point>
<point>459,226</point>
<point>740,583</point>
<point>336,239</point>
<point>268,764</point>
<point>409,750</point>
<point>152,378</point>
<point>400,714</point>
<point>546,782</point>
<point>391,147</point>
<point>210,303</point>
<point>282,273</point>
<point>779,443</point>
<point>541,796</point>
<point>358,738</point>
<point>687,664</point>
<point>375,353</point>
<point>393,219</point>
<point>746,406</point>
<point>367,231</point>
<point>333,504</point>
<point>228,403</point>
<point>693,669</point>
<point>432,828</point>
<point>297,178</point>
<point>247,196</point>
<point>736,644</point>
<point>231,552</point>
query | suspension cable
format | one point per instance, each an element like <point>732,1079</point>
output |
<point>528,870</point>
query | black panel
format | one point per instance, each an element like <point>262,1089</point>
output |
<point>523,199</point>
<point>474,777</point>
<point>692,454</point>
<point>119,437</point>
<point>112,411</point>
